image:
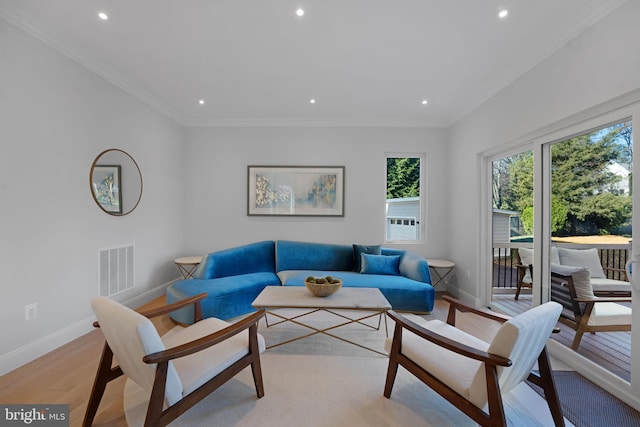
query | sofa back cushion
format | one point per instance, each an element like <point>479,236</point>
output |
<point>292,255</point>
<point>252,258</point>
<point>588,258</point>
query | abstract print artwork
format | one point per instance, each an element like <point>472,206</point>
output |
<point>296,190</point>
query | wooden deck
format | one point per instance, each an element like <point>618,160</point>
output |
<point>611,350</point>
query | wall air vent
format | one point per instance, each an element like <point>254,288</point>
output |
<point>115,270</point>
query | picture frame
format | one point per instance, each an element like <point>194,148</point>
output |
<point>107,189</point>
<point>295,190</point>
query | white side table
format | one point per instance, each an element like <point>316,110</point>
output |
<point>187,265</point>
<point>446,266</point>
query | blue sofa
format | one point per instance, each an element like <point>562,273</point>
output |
<point>234,277</point>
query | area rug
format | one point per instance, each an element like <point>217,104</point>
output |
<point>314,391</point>
<point>322,381</point>
<point>587,405</point>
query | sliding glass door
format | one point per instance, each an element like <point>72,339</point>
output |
<point>571,192</point>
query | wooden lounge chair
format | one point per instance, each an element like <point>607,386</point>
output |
<point>584,311</point>
<point>178,369</point>
<point>470,372</point>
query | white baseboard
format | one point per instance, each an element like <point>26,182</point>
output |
<point>27,353</point>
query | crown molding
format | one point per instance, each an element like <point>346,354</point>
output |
<point>71,51</point>
<point>327,122</point>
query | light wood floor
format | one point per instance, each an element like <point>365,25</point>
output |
<point>65,376</point>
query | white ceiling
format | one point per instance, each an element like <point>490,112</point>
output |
<point>254,62</point>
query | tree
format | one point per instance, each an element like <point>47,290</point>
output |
<point>403,177</point>
<point>580,180</point>
<point>513,182</point>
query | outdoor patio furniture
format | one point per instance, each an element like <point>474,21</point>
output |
<point>583,311</point>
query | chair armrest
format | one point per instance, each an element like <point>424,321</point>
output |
<point>166,309</point>
<point>603,299</point>
<point>465,308</point>
<point>448,343</point>
<point>206,341</point>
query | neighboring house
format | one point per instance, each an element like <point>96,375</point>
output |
<point>403,219</point>
<point>501,225</point>
<point>622,186</point>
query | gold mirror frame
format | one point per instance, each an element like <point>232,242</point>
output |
<point>115,182</point>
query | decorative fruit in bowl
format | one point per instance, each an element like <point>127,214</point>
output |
<point>323,286</point>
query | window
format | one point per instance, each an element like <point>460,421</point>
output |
<point>404,201</point>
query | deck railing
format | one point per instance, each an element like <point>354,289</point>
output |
<point>613,258</point>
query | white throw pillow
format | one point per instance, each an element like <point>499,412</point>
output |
<point>526,258</point>
<point>580,276</point>
<point>582,258</point>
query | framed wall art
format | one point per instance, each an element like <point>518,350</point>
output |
<point>295,190</point>
<point>107,191</point>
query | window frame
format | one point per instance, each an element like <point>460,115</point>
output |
<point>421,217</point>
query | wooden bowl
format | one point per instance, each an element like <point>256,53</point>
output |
<point>323,289</point>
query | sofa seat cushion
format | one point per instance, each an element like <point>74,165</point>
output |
<point>610,313</point>
<point>403,294</point>
<point>610,286</point>
<point>228,296</point>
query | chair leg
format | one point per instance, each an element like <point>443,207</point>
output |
<point>549,387</point>
<point>519,286</point>
<point>104,375</point>
<point>496,417</point>
<point>256,367</point>
<point>583,326</point>
<point>392,370</point>
<point>156,400</point>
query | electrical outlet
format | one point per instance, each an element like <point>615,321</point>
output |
<point>30,311</point>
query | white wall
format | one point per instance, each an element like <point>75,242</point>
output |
<point>601,64</point>
<point>55,117</point>
<point>216,161</point>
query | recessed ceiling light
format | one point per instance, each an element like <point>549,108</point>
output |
<point>425,102</point>
<point>201,102</point>
<point>300,12</point>
<point>103,16</point>
<point>503,13</point>
<point>312,101</point>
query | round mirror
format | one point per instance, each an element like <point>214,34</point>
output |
<point>116,182</point>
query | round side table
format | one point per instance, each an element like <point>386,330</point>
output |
<point>446,266</point>
<point>187,265</point>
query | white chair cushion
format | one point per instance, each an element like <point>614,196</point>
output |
<point>526,258</point>
<point>451,368</point>
<point>610,313</point>
<point>196,369</point>
<point>582,258</point>
<point>609,285</point>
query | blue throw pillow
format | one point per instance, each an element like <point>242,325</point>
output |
<point>380,264</point>
<point>363,249</point>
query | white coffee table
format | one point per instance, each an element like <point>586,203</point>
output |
<point>369,300</point>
